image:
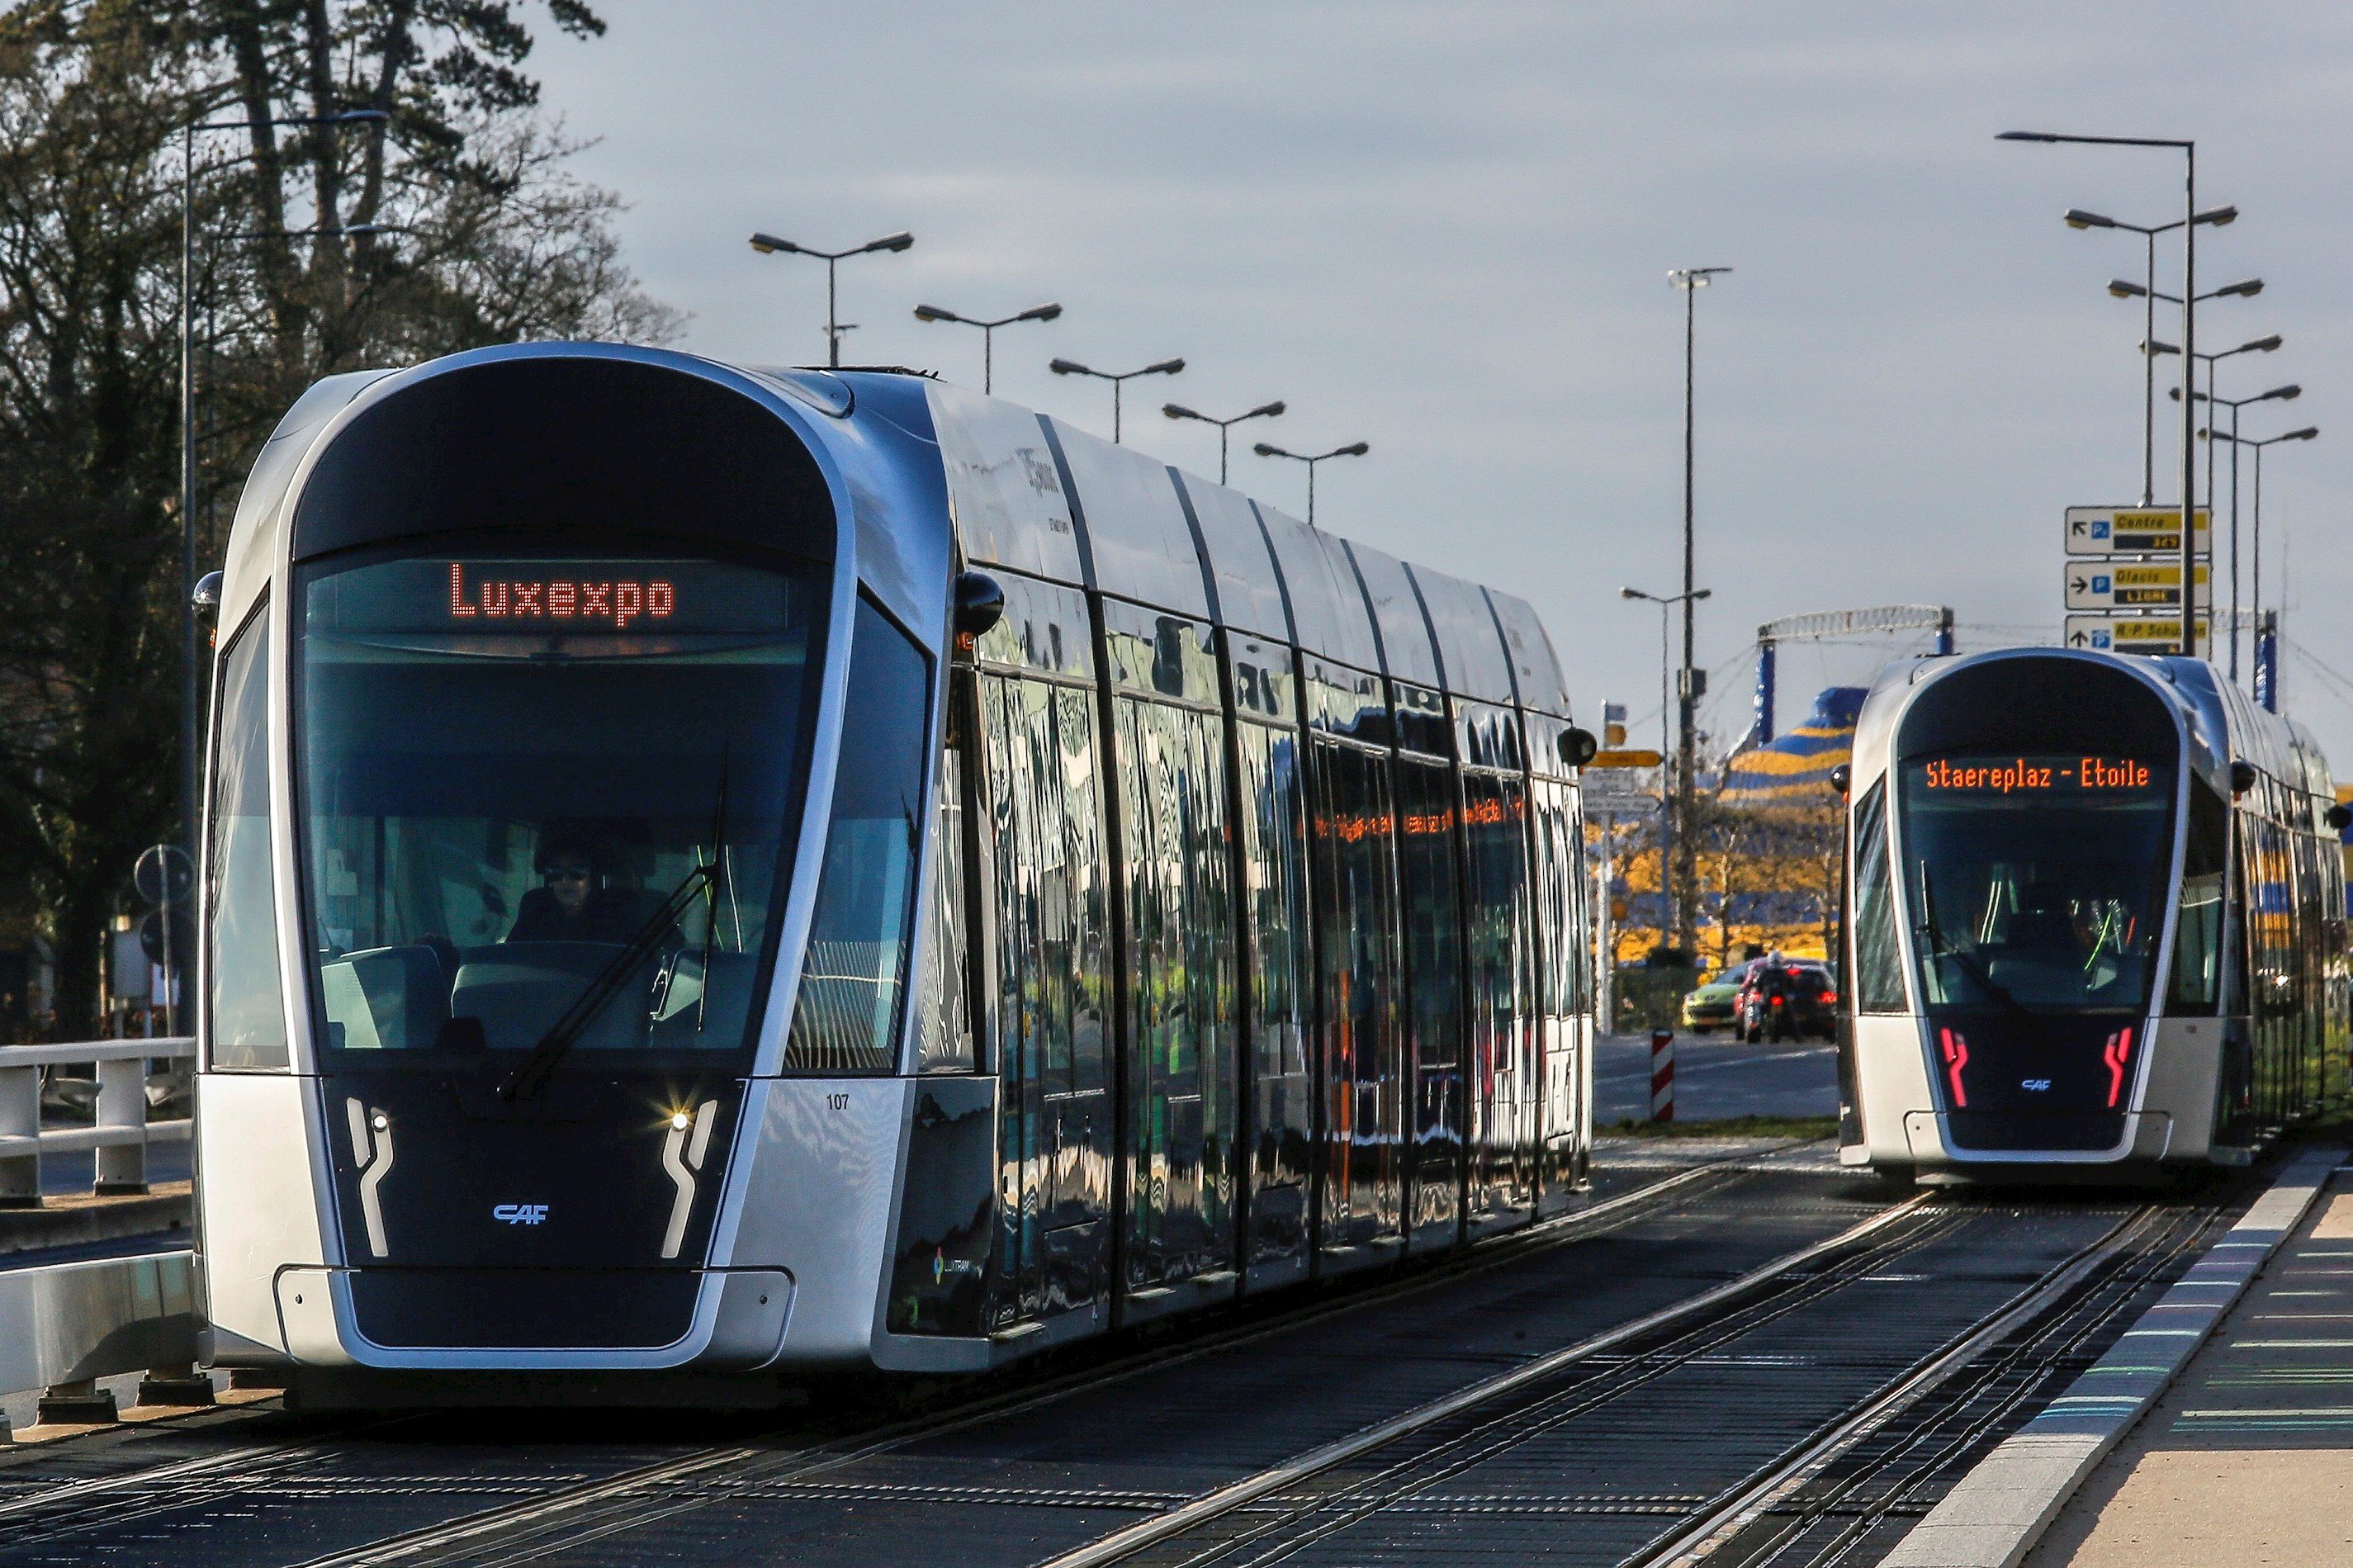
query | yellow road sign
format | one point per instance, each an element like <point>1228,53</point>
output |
<point>1624,759</point>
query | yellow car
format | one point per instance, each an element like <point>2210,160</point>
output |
<point>1711,1006</point>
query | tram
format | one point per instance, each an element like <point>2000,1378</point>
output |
<point>714,874</point>
<point>2094,920</point>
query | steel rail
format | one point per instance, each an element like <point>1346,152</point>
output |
<point>623,1501</point>
<point>1304,1467</point>
<point>1735,1509</point>
<point>2056,1326</point>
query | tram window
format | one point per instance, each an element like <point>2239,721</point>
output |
<point>2198,930</point>
<point>248,1019</point>
<point>846,1019</point>
<point>1878,957</point>
<point>2037,882</point>
<point>498,808</point>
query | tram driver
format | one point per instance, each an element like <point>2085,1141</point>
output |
<point>581,896</point>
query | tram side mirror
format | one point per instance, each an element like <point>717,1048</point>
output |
<point>207,591</point>
<point>1842,778</point>
<point>2243,777</point>
<point>2340,817</point>
<point>1577,746</point>
<point>980,603</point>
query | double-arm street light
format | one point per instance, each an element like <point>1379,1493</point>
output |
<point>1355,448</point>
<point>2078,219</point>
<point>2188,301</point>
<point>987,332</point>
<point>2280,394</point>
<point>1263,411</point>
<point>190,685</point>
<point>1118,382</point>
<point>769,245</point>
<point>1671,838</point>
<point>2255,588</point>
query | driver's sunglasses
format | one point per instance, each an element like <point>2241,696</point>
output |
<point>564,874</point>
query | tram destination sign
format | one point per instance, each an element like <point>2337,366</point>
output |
<point>2132,530</point>
<point>2128,585</point>
<point>2134,634</point>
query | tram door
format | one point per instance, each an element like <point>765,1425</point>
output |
<point>1179,955</point>
<point>1272,899</point>
<point>1563,950</point>
<point>1430,899</point>
<point>1502,1044</point>
<point>1363,1064</point>
<point>1051,917</point>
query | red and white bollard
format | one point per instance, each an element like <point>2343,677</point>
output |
<point>1663,1075</point>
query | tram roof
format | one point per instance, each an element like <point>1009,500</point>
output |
<point>1029,494</point>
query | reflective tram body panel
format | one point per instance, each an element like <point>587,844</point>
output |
<point>646,941</point>
<point>2094,919</point>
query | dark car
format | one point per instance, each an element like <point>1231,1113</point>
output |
<point>1786,999</point>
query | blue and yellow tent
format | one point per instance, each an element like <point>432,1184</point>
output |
<point>1794,771</point>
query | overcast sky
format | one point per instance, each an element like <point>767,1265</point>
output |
<point>1445,229</point>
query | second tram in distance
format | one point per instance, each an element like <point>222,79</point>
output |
<point>2095,919</point>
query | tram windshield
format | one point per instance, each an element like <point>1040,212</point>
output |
<point>2035,883</point>
<point>552,796</point>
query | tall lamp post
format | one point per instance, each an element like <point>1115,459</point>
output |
<point>769,245</point>
<point>1118,382</point>
<point>1671,836</point>
<point>2255,588</point>
<point>1353,449</point>
<point>1690,280</point>
<point>2282,393</point>
<point>987,333</point>
<point>190,685</point>
<point>2188,301</point>
<point>2078,219</point>
<point>1225,427</point>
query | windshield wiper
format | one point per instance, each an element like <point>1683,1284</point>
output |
<point>703,880</point>
<point>532,1076</point>
<point>1938,947</point>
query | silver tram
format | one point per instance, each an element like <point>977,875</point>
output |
<point>711,870</point>
<point>2094,920</point>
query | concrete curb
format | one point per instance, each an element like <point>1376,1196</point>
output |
<point>81,1219</point>
<point>2001,1509</point>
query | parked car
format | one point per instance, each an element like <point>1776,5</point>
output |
<point>1712,1005</point>
<point>1786,999</point>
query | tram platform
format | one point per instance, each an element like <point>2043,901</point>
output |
<point>94,1225</point>
<point>2248,1458</point>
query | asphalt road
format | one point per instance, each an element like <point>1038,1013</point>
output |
<point>1716,1077</point>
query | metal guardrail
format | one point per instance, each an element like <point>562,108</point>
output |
<point>120,1132</point>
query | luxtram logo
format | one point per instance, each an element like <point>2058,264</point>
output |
<point>520,1213</point>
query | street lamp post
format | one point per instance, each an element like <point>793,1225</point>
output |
<point>1690,280</point>
<point>2255,588</point>
<point>1118,382</point>
<point>769,245</point>
<point>1263,411</point>
<point>987,333</point>
<point>190,706</point>
<point>1671,836</point>
<point>2188,151</point>
<point>1355,448</point>
<point>2078,219</point>
<point>2235,404</point>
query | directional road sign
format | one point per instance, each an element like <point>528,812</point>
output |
<point>2128,585</point>
<point>1624,758</point>
<point>2134,634</point>
<point>1606,802</point>
<point>2131,530</point>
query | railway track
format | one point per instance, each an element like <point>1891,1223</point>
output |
<point>1573,1454</point>
<point>97,1497</point>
